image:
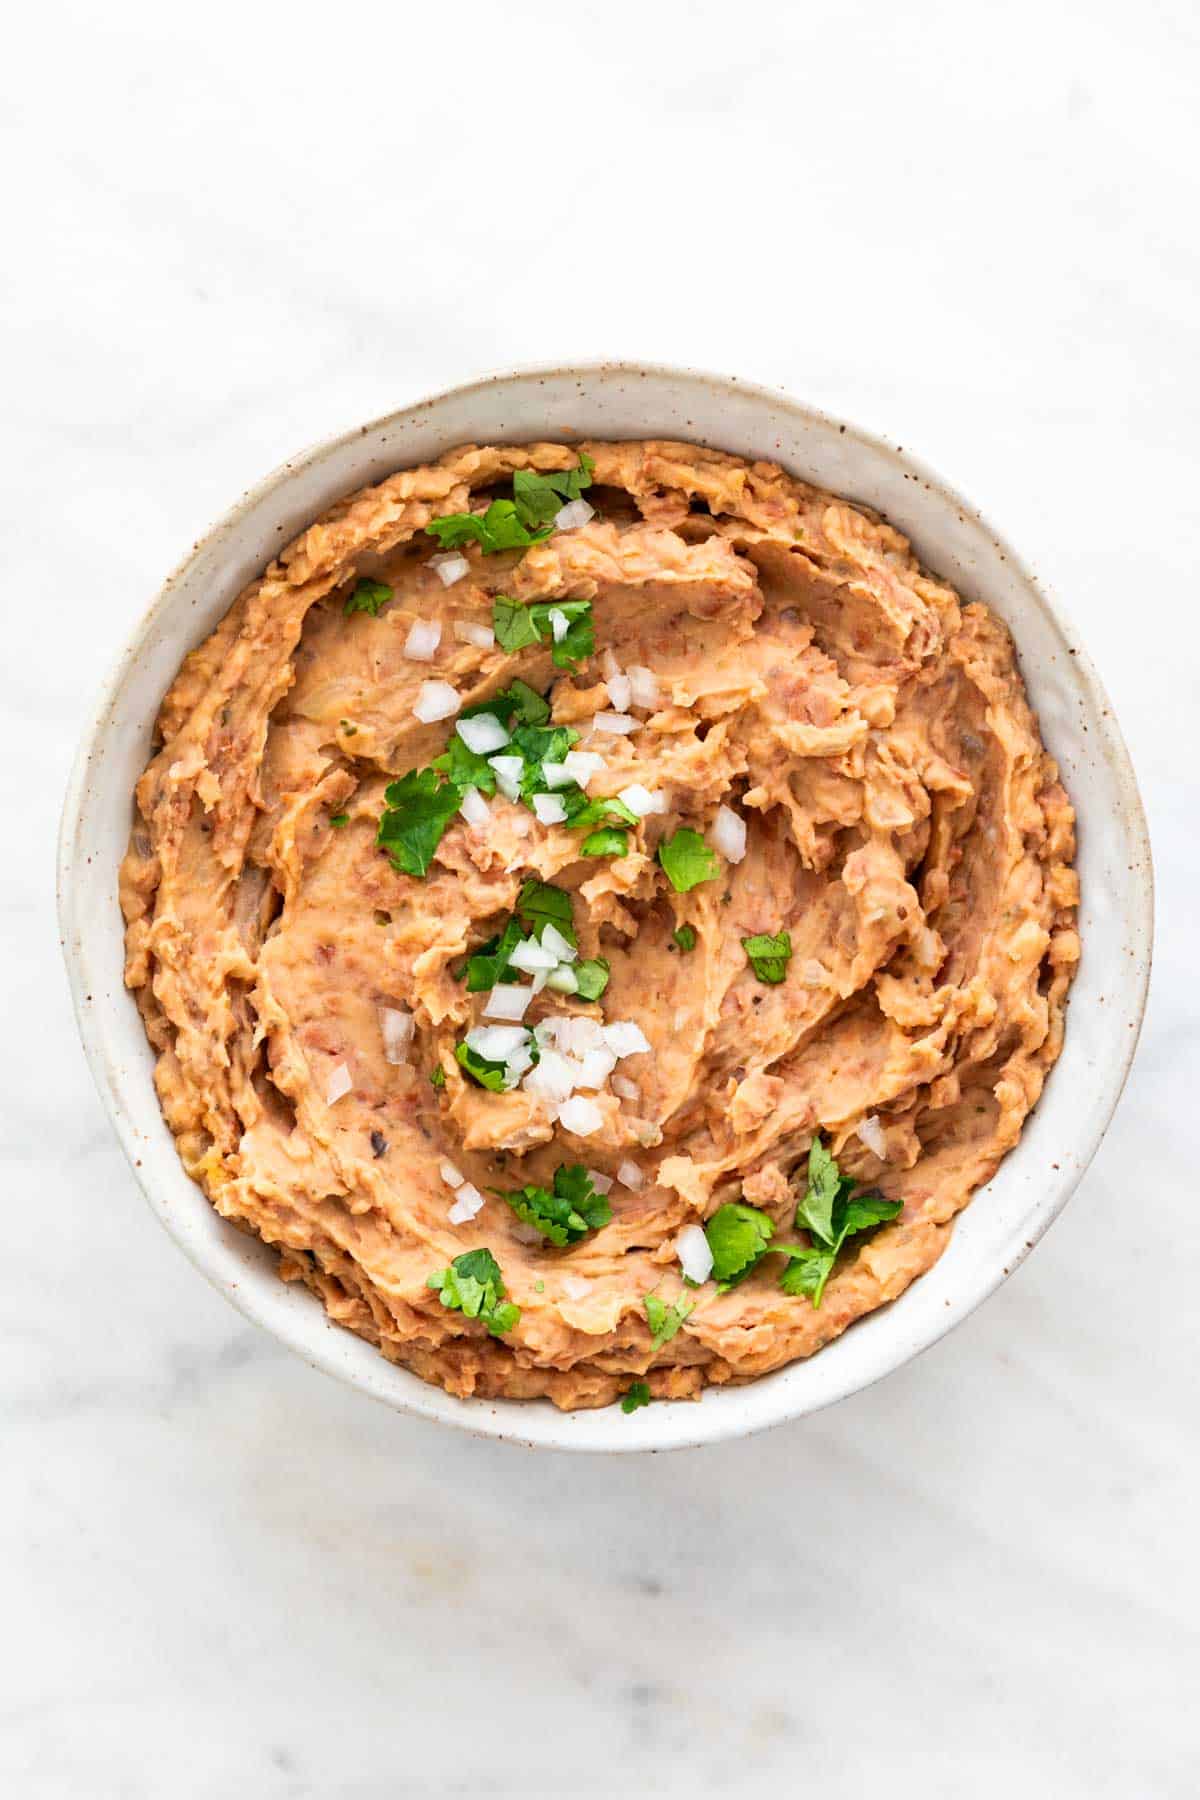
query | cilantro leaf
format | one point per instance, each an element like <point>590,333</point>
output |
<point>337,820</point>
<point>566,1213</point>
<point>539,496</point>
<point>664,1320</point>
<point>591,977</point>
<point>540,744</point>
<point>513,624</point>
<point>738,1236</point>
<point>518,626</point>
<point>685,937</point>
<point>769,956</point>
<point>490,963</point>
<point>499,528</point>
<point>437,1077</point>
<point>814,1213</point>
<point>806,1273</point>
<point>583,813</point>
<point>687,860</point>
<point>517,701</point>
<point>367,596</point>
<point>465,768</point>
<point>830,1215</point>
<point>473,1286</point>
<point>488,1074</point>
<point>417,810</point>
<point>539,904</point>
<point>607,842</point>
<point>637,1394</point>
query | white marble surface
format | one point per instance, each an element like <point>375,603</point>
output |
<point>235,228</point>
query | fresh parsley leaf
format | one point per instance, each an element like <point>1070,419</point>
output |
<point>664,1320</point>
<point>685,937</point>
<point>437,1077</point>
<point>539,904</point>
<point>517,702</point>
<point>592,977</point>
<point>473,1286</point>
<point>513,624</point>
<point>489,964</point>
<point>367,596</point>
<point>499,528</point>
<point>738,1236</point>
<point>465,768</point>
<point>565,1214</point>
<point>637,1394</point>
<point>488,1074</point>
<point>607,842</point>
<point>417,810</point>
<point>337,820</point>
<point>687,860</point>
<point>769,956</point>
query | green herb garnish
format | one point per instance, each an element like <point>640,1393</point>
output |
<point>664,1320</point>
<point>566,1213</point>
<point>337,820</point>
<point>539,904</point>
<point>769,956</point>
<point>685,937</point>
<point>608,842</point>
<point>830,1215</point>
<point>367,596</point>
<point>688,860</point>
<point>518,626</point>
<point>738,1236</point>
<point>473,1286</point>
<point>638,1394</point>
<point>517,523</point>
<point>437,1077</point>
<point>418,809</point>
<point>591,977</point>
<point>481,1069</point>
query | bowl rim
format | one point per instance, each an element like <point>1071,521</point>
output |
<point>547,1427</point>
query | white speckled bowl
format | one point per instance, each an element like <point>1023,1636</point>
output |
<point>615,400</point>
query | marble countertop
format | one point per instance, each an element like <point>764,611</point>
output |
<point>230,235</point>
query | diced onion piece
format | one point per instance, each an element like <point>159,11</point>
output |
<point>423,638</point>
<point>872,1134</point>
<point>496,1043</point>
<point>530,956</point>
<point>396,1025</point>
<point>574,514</point>
<point>340,1082</point>
<point>609,664</point>
<point>595,1067</point>
<point>559,623</point>
<point>450,1175</point>
<point>521,826</point>
<point>644,684</point>
<point>552,1079</point>
<point>577,1035</point>
<point>580,1116</point>
<point>450,567</point>
<point>482,734</point>
<point>630,1176</point>
<point>467,1202</point>
<point>549,809</point>
<point>580,766</point>
<point>520,1060</point>
<point>563,979</point>
<point>468,632</point>
<point>553,940</point>
<point>540,977</point>
<point>694,1253</point>
<point>575,1287</point>
<point>625,1038</point>
<point>435,700</point>
<point>601,1183</point>
<point>507,1001</point>
<point>617,724</point>
<point>641,800</point>
<point>474,809</point>
<point>625,1089</point>
<point>620,692</point>
<point>729,834</point>
<point>509,770</point>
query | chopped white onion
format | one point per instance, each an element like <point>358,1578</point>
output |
<point>482,734</point>
<point>450,1175</point>
<point>601,1183</point>
<point>507,1001</point>
<point>559,623</point>
<point>625,1038</point>
<point>474,808</point>
<point>509,770</point>
<point>644,685</point>
<point>872,1134</point>
<point>609,664</point>
<point>577,1035</point>
<point>539,980</point>
<point>496,1043</point>
<point>529,956</point>
<point>573,514</point>
<point>575,1287</point>
<point>423,638</point>
<point>581,766</point>
<point>396,1024</point>
<point>435,700</point>
<point>552,1079</point>
<point>563,979</point>
<point>579,1116</point>
<point>641,800</point>
<point>450,567</point>
<point>729,834</point>
<point>340,1082</point>
<point>467,1202</point>
<point>617,724</point>
<point>813,973</point>
<point>549,809</point>
<point>516,1064</point>
<point>625,1089</point>
<point>620,692</point>
<point>595,1067</point>
<point>521,826</point>
<point>554,941</point>
<point>694,1253</point>
<point>630,1176</point>
<point>468,632</point>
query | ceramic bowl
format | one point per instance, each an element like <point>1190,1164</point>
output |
<point>1003,1221</point>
